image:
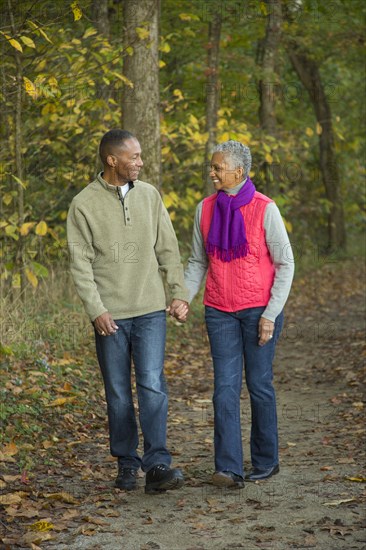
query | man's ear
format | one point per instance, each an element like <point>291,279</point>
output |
<point>111,161</point>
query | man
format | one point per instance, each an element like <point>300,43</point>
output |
<point>240,242</point>
<point>121,238</point>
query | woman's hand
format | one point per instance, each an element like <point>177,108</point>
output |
<point>265,330</point>
<point>178,309</point>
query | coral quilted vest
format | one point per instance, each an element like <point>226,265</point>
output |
<point>244,282</point>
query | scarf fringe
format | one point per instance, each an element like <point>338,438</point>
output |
<point>238,251</point>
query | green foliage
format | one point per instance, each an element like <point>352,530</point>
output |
<point>71,80</point>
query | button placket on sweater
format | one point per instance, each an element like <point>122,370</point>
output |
<point>126,209</point>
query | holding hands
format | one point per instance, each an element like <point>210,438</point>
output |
<point>178,309</point>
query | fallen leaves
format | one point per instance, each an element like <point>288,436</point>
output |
<point>61,401</point>
<point>63,497</point>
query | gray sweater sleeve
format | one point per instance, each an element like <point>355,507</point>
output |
<point>279,248</point>
<point>197,263</point>
<point>283,260</point>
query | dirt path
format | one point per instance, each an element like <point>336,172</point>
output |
<point>315,501</point>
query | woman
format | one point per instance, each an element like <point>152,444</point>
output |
<point>240,241</point>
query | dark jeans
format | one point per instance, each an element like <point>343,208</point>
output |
<point>143,339</point>
<point>234,342</point>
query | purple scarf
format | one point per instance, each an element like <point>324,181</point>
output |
<point>227,238</point>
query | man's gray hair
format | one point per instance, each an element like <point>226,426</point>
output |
<point>237,153</point>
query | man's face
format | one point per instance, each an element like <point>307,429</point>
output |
<point>127,160</point>
<point>223,176</point>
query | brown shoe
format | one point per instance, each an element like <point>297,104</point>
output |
<point>227,479</point>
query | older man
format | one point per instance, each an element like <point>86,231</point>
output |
<point>121,239</point>
<point>240,241</point>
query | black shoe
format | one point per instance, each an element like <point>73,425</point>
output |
<point>258,475</point>
<point>227,479</point>
<point>161,477</point>
<point>126,479</point>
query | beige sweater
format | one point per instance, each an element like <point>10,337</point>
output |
<point>118,252</point>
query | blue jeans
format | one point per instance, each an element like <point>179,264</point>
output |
<point>143,339</point>
<point>234,342</point>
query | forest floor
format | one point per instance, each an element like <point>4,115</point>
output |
<point>57,482</point>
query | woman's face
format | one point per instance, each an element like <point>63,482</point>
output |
<point>222,174</point>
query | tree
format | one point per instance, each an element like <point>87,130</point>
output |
<point>100,16</point>
<point>141,104</point>
<point>308,72</point>
<point>212,90</point>
<point>267,60</point>
<point>267,50</point>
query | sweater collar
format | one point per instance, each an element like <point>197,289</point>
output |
<point>108,186</point>
<point>236,189</point>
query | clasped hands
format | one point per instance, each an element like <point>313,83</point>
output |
<point>178,309</point>
<point>105,325</point>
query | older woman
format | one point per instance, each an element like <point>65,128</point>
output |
<point>240,241</point>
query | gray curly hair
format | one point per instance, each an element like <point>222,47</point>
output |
<point>237,153</point>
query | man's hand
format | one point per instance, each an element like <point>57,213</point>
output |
<point>178,309</point>
<point>265,330</point>
<point>104,324</point>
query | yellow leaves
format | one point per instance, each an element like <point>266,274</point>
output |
<point>26,227</point>
<point>32,277</point>
<point>27,41</point>
<point>319,129</point>
<point>41,229</point>
<point>30,88</point>
<point>61,401</point>
<point>164,47</point>
<point>142,33</point>
<point>41,31</point>
<point>178,94</point>
<point>288,225</point>
<point>42,526</point>
<point>13,42</point>
<point>268,158</point>
<point>263,8</point>
<point>91,31</point>
<point>7,198</point>
<point>76,11</point>
<point>161,64</point>
<point>194,121</point>
<point>11,231</point>
<point>188,17</point>
<point>63,497</point>
<point>123,78</point>
<point>225,136</point>
<point>170,199</point>
<point>309,132</point>
<point>21,183</point>
<point>357,479</point>
<point>10,449</point>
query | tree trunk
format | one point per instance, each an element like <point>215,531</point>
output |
<point>212,92</point>
<point>267,83</point>
<point>141,105</point>
<point>100,16</point>
<point>267,60</point>
<point>309,75</point>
